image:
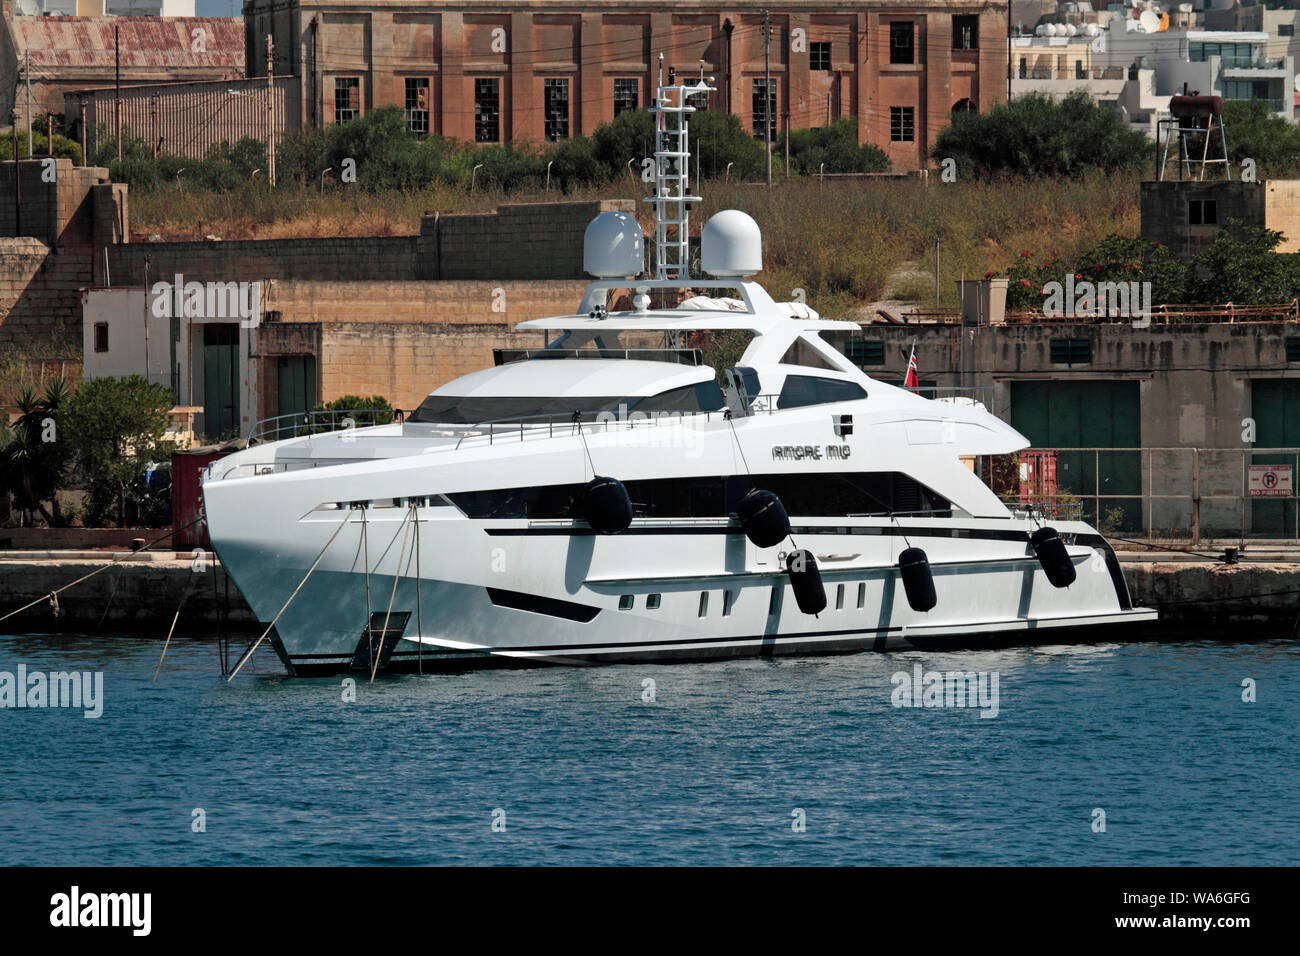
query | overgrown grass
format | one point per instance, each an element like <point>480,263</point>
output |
<point>840,241</point>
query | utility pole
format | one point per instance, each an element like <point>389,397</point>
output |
<point>1008,51</point>
<point>767,91</point>
<point>157,131</point>
<point>786,115</point>
<point>85,160</point>
<point>270,110</point>
<point>18,191</point>
<point>27,75</point>
<point>117,90</point>
<point>146,317</point>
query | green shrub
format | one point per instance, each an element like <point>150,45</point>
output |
<point>64,148</point>
<point>114,428</point>
<point>837,147</point>
<point>1036,135</point>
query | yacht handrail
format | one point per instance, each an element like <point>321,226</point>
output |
<point>689,356</point>
<point>312,421</point>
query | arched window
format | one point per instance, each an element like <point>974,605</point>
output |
<point>964,105</point>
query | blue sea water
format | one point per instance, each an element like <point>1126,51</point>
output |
<point>712,771</point>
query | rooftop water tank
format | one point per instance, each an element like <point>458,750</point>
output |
<point>613,247</point>
<point>731,244</point>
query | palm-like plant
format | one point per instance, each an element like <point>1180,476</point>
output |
<point>33,460</point>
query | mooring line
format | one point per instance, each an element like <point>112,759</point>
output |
<point>223,642</point>
<point>1161,547</point>
<point>397,573</point>
<point>419,611</point>
<point>85,577</point>
<point>243,659</point>
<point>365,550</point>
<point>112,594</point>
<point>171,630</point>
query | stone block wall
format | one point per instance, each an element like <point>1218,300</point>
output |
<point>402,340</point>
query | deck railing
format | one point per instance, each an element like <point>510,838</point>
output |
<point>321,421</point>
<point>1169,314</point>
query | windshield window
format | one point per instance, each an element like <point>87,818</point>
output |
<point>801,390</point>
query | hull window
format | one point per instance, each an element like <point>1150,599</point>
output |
<point>815,494</point>
<point>537,604</point>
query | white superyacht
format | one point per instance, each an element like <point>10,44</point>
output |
<point>609,497</point>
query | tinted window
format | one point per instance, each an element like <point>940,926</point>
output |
<point>460,410</point>
<point>703,397</point>
<point>801,390</point>
<point>809,495</point>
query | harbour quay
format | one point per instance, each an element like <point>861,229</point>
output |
<point>145,589</point>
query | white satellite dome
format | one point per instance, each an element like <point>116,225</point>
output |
<point>731,244</point>
<point>613,247</point>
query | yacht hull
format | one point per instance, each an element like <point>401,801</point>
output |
<point>515,593</point>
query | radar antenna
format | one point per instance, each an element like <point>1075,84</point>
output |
<point>672,199</point>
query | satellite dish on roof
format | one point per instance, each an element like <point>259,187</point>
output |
<point>1150,21</point>
<point>613,246</point>
<point>731,244</point>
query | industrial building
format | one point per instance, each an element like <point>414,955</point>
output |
<point>515,71</point>
<point>58,55</point>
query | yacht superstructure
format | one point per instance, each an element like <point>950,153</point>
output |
<point>608,496</point>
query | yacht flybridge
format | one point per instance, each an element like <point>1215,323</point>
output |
<point>608,496</point>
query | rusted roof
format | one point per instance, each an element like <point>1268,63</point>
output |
<point>145,41</point>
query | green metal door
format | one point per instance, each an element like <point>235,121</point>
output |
<point>1275,406</point>
<point>296,378</point>
<point>1088,414</point>
<point>220,380</point>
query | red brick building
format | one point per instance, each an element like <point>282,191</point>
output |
<point>540,69</point>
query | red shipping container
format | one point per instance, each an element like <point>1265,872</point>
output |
<point>1037,476</point>
<point>187,498</point>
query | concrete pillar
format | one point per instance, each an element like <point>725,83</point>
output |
<point>455,89</point>
<point>873,115</point>
<point>590,103</point>
<point>938,82</point>
<point>798,85</point>
<point>386,89</point>
<point>527,120</point>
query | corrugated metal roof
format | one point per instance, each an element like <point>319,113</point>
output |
<point>145,41</point>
